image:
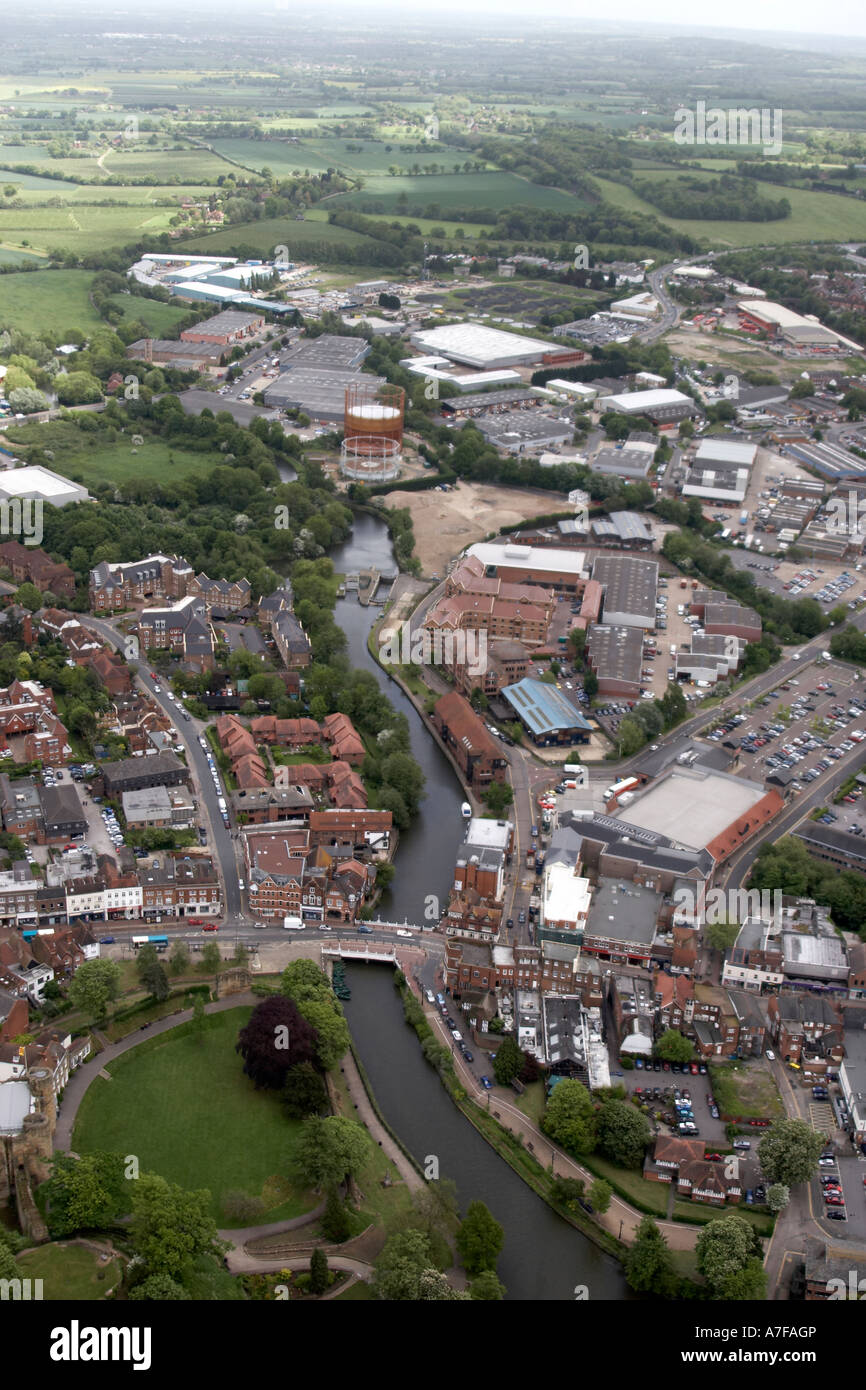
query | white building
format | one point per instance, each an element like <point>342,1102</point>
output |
<point>38,483</point>
<point>478,346</point>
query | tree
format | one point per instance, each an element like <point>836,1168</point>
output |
<point>276,1038</point>
<point>479,1239</point>
<point>487,1288</point>
<point>93,986</point>
<point>778,1197</point>
<point>673,1047</point>
<point>160,1288</point>
<point>304,1092</point>
<point>179,958</point>
<point>723,1247</point>
<point>721,935</point>
<point>336,1222</point>
<point>623,1133</point>
<point>332,1031</point>
<point>28,596</point>
<point>211,958</point>
<point>405,1272</point>
<point>320,1279</point>
<point>146,956</point>
<point>569,1117</point>
<point>508,1062</point>
<point>170,1226</point>
<point>600,1194</point>
<point>77,388</point>
<point>331,1150</point>
<point>648,1264</point>
<point>498,797</point>
<point>199,1018</point>
<point>789,1152</point>
<point>748,1284</point>
<point>155,981</point>
<point>84,1193</point>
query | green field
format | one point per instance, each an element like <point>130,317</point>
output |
<point>814,217</point>
<point>10,255</point>
<point>160,320</point>
<point>218,1132</point>
<point>70,1271</point>
<point>137,161</point>
<point>88,462</point>
<point>496,191</point>
<point>277,231</point>
<point>320,153</point>
<point>51,300</point>
<point>83,229</point>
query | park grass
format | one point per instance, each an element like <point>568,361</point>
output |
<point>699,1213</point>
<point>386,1207</point>
<point>359,1292</point>
<point>70,1272</point>
<point>55,301</point>
<point>747,1090</point>
<point>93,462</point>
<point>183,1106</point>
<point>814,217</point>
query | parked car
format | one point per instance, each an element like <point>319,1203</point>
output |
<point>486,1083</point>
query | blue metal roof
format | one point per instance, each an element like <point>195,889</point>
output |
<point>542,707</point>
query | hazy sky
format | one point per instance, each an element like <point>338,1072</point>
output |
<point>846,17</point>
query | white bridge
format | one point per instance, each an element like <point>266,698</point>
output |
<point>353,951</point>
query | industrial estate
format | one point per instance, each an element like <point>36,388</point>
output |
<point>432,592</point>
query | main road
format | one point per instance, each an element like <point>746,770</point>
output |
<point>223,841</point>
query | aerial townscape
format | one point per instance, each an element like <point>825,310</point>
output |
<point>432,667</point>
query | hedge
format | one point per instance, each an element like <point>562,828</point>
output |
<point>148,1002</point>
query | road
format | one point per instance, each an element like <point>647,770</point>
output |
<point>222,841</point>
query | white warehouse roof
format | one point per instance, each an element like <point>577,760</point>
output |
<point>537,557</point>
<point>37,482</point>
<point>635,402</point>
<point>478,346</point>
<point>726,451</point>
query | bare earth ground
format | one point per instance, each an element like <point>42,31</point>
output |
<point>446,522</point>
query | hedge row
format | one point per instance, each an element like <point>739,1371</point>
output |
<point>147,1003</point>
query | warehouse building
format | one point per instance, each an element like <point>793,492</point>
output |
<point>615,654</point>
<point>636,306</point>
<point>700,808</point>
<point>481,402</point>
<point>328,352</point>
<point>561,569</point>
<point>724,453</point>
<point>619,530</point>
<point>710,659</point>
<point>485,348</point>
<point>318,392</point>
<point>545,713</point>
<point>630,588</point>
<point>633,464</point>
<point>519,432</point>
<point>231,326</point>
<point>660,406</point>
<point>40,484</point>
<point>717,484</point>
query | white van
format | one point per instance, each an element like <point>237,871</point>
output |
<point>293,924</point>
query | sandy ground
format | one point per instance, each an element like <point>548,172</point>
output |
<point>446,522</point>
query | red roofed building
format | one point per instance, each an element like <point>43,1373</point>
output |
<point>475,751</point>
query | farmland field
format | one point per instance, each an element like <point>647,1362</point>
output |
<point>84,228</point>
<point>495,190</point>
<point>160,320</point>
<point>276,231</point>
<point>814,217</point>
<point>318,154</point>
<point>137,161</point>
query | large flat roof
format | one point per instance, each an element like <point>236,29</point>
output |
<point>478,346</point>
<point>692,805</point>
<point>532,557</point>
<point>35,481</point>
<point>636,401</point>
<point>726,451</point>
<point>544,708</point>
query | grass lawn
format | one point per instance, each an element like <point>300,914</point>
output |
<point>55,300</point>
<point>70,1271</point>
<point>747,1089</point>
<point>651,1195</point>
<point>356,1293</point>
<point>183,1106</point>
<point>699,1214</point>
<point>387,1207</point>
<point>532,1102</point>
<point>113,463</point>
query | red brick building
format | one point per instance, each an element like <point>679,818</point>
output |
<point>474,749</point>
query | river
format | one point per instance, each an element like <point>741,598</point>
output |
<point>544,1258</point>
<point>425,858</point>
